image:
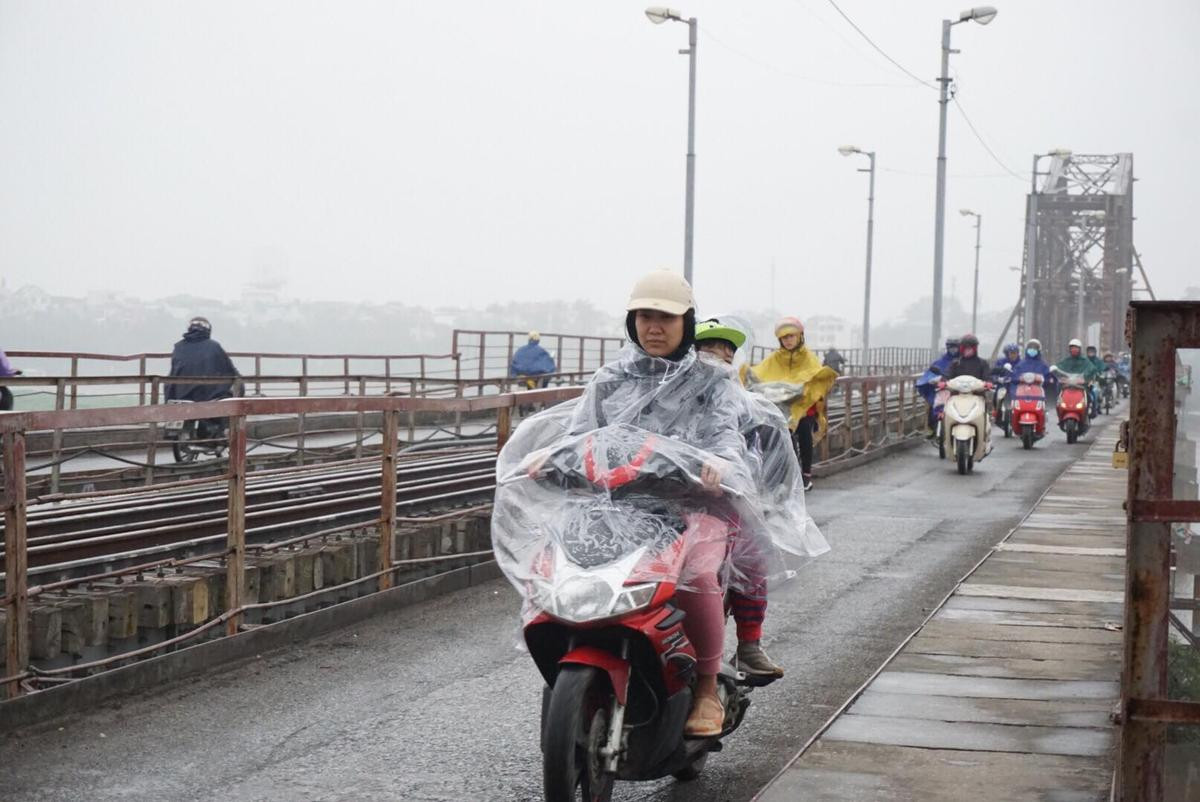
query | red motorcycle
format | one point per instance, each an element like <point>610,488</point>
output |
<point>601,624</point>
<point>1029,409</point>
<point>1073,417</point>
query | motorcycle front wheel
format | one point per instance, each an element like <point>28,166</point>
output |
<point>963,453</point>
<point>1072,432</point>
<point>1027,436</point>
<point>941,441</point>
<point>575,729</point>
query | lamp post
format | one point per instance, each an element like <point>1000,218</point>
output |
<point>975,297</point>
<point>849,150</point>
<point>982,15</point>
<point>658,15</point>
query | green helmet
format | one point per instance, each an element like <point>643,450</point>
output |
<point>713,329</point>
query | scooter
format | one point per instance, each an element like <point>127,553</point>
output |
<point>1108,381</point>
<point>967,427</point>
<point>1073,400</point>
<point>937,406</point>
<point>1029,409</point>
<point>193,438</point>
<point>1002,402</point>
<point>604,632</point>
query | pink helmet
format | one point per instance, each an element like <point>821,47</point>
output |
<point>788,325</point>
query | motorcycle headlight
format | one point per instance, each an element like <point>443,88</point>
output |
<point>1079,405</point>
<point>634,597</point>
<point>583,597</point>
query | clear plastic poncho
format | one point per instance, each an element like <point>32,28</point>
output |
<point>613,483</point>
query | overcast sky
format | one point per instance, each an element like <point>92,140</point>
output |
<point>478,150</point>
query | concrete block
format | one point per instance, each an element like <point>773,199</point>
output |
<point>337,562</point>
<point>45,632</point>
<point>309,576</point>
<point>74,629</point>
<point>278,576</point>
<point>214,578</point>
<point>122,610</point>
<point>95,615</point>
<point>368,556</point>
<point>154,603</point>
<point>253,585</point>
<point>189,599</point>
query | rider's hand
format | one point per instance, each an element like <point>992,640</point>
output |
<point>534,462</point>
<point>710,477</point>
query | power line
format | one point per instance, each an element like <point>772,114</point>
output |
<point>979,137</point>
<point>789,74</point>
<point>879,49</point>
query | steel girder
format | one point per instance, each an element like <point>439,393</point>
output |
<point>1079,247</point>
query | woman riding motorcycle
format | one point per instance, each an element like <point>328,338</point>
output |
<point>795,364</point>
<point>660,388</point>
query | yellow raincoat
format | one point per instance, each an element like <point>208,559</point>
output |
<point>795,367</point>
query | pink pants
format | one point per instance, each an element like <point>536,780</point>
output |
<point>703,602</point>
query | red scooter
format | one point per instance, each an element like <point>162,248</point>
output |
<point>1029,409</point>
<point>1073,417</point>
<point>601,626</point>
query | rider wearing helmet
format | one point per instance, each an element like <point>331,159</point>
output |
<point>1077,363</point>
<point>969,362</point>
<point>1010,357</point>
<point>1032,362</point>
<point>720,340</point>
<point>927,385</point>
<point>795,364</point>
<point>1093,357</point>
<point>198,355</point>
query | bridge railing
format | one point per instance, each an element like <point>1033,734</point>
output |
<point>866,414</point>
<point>1161,509</point>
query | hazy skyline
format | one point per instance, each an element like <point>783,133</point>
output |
<point>471,152</point>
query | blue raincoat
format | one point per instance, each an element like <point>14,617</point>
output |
<point>927,384</point>
<point>531,359</point>
<point>1035,364</point>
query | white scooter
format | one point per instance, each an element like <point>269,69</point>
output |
<point>967,429</point>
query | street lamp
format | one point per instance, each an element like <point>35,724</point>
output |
<point>658,15</point>
<point>850,150</point>
<point>975,298</point>
<point>982,15</point>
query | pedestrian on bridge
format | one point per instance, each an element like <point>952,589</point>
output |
<point>6,369</point>
<point>795,364</point>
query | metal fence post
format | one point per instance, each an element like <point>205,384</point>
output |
<point>387,496</point>
<point>60,390</point>
<point>1148,555</point>
<point>503,426</point>
<point>16,600</point>
<point>142,383</point>
<point>258,373</point>
<point>358,420</point>
<point>235,558</point>
<point>74,385</point>
<point>301,423</point>
<point>412,412</point>
<point>346,376</point>
<point>151,439</point>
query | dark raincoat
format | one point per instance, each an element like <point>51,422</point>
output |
<point>197,355</point>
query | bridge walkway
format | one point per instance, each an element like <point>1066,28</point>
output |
<point>1006,692</point>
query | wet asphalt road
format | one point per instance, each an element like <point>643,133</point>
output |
<point>434,703</point>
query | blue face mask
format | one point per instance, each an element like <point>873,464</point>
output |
<point>1031,353</point>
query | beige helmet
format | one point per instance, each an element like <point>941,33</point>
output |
<point>664,291</point>
<point>535,336</point>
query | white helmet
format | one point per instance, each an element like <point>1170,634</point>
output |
<point>664,291</point>
<point>1075,343</point>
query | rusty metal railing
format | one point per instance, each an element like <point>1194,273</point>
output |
<point>1155,330</point>
<point>873,413</point>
